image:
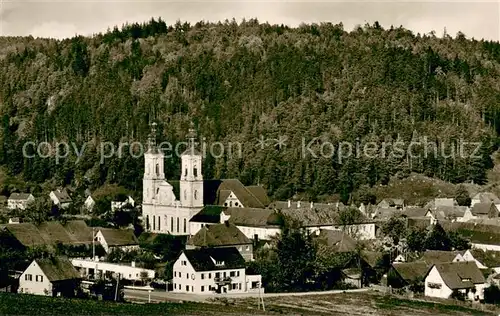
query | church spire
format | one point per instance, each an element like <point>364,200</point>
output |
<point>191,137</point>
<point>152,139</point>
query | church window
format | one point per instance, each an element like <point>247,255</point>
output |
<point>178,224</point>
<point>225,204</point>
<point>159,223</point>
<point>157,191</point>
<point>154,222</point>
<point>185,172</point>
<point>195,194</point>
<point>195,171</point>
<point>185,226</point>
<point>230,203</point>
<point>235,203</point>
<point>147,222</point>
<point>157,169</point>
<point>172,224</point>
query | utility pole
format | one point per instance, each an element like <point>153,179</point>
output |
<point>116,290</point>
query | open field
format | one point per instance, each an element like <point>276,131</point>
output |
<point>351,304</point>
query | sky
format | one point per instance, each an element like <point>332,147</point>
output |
<point>65,18</point>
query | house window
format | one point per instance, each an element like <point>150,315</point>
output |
<point>235,203</point>
<point>154,222</point>
<point>175,274</point>
<point>28,277</point>
<point>217,274</point>
<point>203,276</point>
<point>232,274</point>
<point>159,223</point>
<point>225,274</point>
<point>195,171</point>
<point>210,275</point>
<point>185,172</point>
<point>202,288</point>
<point>180,274</point>
<point>239,286</point>
<point>234,286</point>
<point>230,203</point>
<point>187,288</point>
<point>175,286</point>
<point>147,222</point>
<point>187,276</point>
<point>237,273</point>
<point>178,224</point>
<point>185,226</point>
<point>434,285</point>
<point>171,224</point>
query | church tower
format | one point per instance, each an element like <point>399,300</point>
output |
<point>191,183</point>
<point>153,170</point>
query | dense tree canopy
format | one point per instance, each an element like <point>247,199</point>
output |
<point>309,85</point>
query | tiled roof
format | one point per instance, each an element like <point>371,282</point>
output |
<point>62,196</point>
<point>438,256</point>
<point>456,274</point>
<point>218,235</point>
<point>337,240</point>
<point>201,259</point>
<point>483,208</point>
<point>317,217</point>
<point>119,237</point>
<point>260,193</point>
<point>19,196</point>
<point>208,214</point>
<point>212,193</point>
<point>415,212</point>
<point>58,269</point>
<point>410,271</point>
<point>253,217</point>
<point>487,197</point>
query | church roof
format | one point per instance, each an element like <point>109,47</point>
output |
<point>208,214</point>
<point>260,193</point>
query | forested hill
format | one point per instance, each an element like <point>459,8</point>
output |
<point>240,81</point>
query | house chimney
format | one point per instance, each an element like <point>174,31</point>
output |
<point>133,264</point>
<point>289,203</point>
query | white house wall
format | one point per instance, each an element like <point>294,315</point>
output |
<point>125,271</point>
<point>435,277</point>
<point>32,286</point>
<point>486,247</point>
<point>263,233</point>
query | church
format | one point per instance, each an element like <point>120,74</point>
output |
<point>168,206</point>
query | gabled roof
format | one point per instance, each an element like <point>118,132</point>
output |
<point>58,269</point>
<point>411,271</point>
<point>253,217</point>
<point>212,193</point>
<point>208,214</point>
<point>62,196</point>
<point>490,259</point>
<point>483,208</point>
<point>119,237</point>
<point>19,196</point>
<point>456,274</point>
<point>337,240</point>
<point>260,193</point>
<point>415,212</point>
<point>27,234</point>
<point>201,259</point>
<point>385,212</point>
<point>486,197</point>
<point>449,212</point>
<point>437,256</point>
<point>218,235</point>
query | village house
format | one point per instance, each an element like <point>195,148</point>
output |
<point>95,270</point>
<point>60,198</point>
<point>484,259</point>
<point>14,220</point>
<point>123,239</point>
<point>222,236</point>
<point>281,205</point>
<point>51,277</point>
<point>406,275</point>
<point>256,224</point>
<point>481,210</point>
<point>463,278</point>
<point>392,203</point>
<point>116,205</point>
<point>485,197</point>
<point>89,203</point>
<point>209,215</point>
<point>431,257</point>
<point>19,201</point>
<point>213,270</point>
<point>335,240</point>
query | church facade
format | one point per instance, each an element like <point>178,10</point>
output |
<point>163,211</point>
